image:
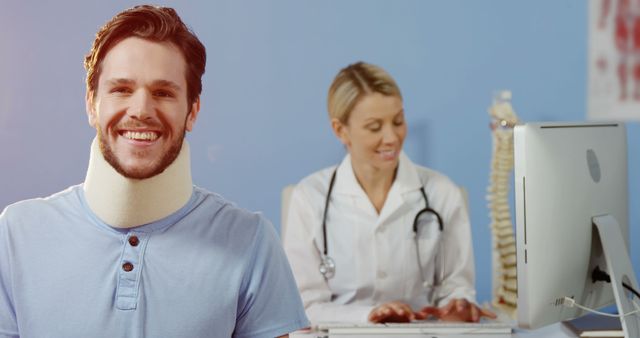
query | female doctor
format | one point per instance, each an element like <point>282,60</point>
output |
<point>377,237</point>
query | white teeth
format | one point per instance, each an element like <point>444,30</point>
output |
<point>144,136</point>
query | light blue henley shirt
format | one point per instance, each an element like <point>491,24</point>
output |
<point>209,270</point>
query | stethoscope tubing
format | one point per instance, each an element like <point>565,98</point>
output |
<point>327,265</point>
<point>426,209</point>
<point>326,210</point>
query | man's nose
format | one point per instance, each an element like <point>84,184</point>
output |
<point>142,105</point>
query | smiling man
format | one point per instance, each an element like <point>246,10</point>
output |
<point>137,250</point>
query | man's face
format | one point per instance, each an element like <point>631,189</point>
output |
<point>140,109</point>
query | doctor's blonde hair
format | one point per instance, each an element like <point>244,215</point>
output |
<point>353,83</point>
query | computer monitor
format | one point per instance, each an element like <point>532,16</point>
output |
<point>565,175</point>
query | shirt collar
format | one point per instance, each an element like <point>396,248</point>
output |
<point>407,178</point>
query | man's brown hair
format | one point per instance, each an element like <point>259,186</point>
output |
<point>159,24</point>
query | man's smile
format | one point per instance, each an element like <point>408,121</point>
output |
<point>140,135</point>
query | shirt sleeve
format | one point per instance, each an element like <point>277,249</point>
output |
<point>8,323</point>
<point>305,257</point>
<point>269,305</point>
<point>456,264</point>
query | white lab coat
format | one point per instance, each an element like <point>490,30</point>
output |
<point>375,254</point>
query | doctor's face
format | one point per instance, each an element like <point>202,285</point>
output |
<point>140,109</point>
<point>375,131</point>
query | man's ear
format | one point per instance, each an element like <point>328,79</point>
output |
<point>91,109</point>
<point>193,115</point>
<point>340,130</point>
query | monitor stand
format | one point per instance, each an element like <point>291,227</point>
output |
<point>620,270</point>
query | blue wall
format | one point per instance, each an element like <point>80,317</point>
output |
<point>263,123</point>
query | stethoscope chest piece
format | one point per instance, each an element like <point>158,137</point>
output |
<point>327,267</point>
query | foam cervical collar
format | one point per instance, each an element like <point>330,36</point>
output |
<point>124,202</point>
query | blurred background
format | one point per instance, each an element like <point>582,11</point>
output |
<point>263,123</point>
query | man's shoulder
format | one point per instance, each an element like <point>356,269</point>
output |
<point>224,211</point>
<point>237,226</point>
<point>41,205</point>
<point>36,213</point>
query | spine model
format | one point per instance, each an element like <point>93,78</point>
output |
<point>503,241</point>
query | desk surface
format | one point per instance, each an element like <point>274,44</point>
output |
<point>557,330</point>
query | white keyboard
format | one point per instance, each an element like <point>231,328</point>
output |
<point>417,327</point>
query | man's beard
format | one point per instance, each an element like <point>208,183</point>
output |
<point>138,173</point>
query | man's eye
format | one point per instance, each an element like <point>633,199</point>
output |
<point>398,122</point>
<point>121,90</point>
<point>162,93</point>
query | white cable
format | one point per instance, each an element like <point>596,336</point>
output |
<point>569,302</point>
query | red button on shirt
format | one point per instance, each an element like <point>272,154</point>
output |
<point>127,266</point>
<point>134,241</point>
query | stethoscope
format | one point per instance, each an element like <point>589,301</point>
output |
<point>328,265</point>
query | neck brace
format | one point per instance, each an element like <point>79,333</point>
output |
<point>124,202</point>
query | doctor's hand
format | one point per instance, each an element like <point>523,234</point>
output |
<point>458,310</point>
<point>392,312</point>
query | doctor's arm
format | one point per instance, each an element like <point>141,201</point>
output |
<point>304,221</point>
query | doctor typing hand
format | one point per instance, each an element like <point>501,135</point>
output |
<point>458,310</point>
<point>392,312</point>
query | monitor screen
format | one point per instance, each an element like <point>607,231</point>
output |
<point>565,174</point>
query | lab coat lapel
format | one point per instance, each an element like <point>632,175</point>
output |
<point>407,180</point>
<point>346,184</point>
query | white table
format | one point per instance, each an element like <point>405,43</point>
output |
<point>557,330</point>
